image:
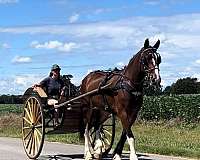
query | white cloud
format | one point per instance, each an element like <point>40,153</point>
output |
<point>74,18</point>
<point>3,83</point>
<point>21,59</point>
<point>120,64</point>
<point>46,45</point>
<point>161,36</point>
<point>166,55</point>
<point>60,46</point>
<point>8,1</point>
<point>5,46</point>
<point>197,61</point>
<point>17,84</point>
<point>26,80</point>
<point>21,81</point>
<point>152,2</point>
<point>89,70</point>
<point>99,10</point>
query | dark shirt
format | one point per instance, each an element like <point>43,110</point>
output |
<point>53,87</point>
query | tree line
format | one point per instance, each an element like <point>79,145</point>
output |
<point>11,99</point>
<point>186,85</point>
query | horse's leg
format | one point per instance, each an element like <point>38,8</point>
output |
<point>118,150</point>
<point>98,145</point>
<point>98,142</point>
<point>127,122</point>
<point>88,146</point>
<point>131,142</point>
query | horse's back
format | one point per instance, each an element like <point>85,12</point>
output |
<point>92,81</point>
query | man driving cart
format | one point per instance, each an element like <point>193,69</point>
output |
<point>54,87</point>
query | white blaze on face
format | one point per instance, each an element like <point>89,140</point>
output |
<point>156,69</point>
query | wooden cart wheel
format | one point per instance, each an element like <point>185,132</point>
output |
<point>33,129</point>
<point>107,134</point>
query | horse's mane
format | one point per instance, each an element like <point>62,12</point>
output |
<point>115,70</point>
<point>134,56</point>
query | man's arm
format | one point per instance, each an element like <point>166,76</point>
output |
<point>43,83</point>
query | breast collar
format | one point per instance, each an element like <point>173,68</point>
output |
<point>125,84</point>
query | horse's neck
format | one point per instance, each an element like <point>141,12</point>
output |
<point>133,70</point>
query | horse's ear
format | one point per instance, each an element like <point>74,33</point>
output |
<point>146,43</point>
<point>157,44</point>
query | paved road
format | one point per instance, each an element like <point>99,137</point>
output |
<point>12,149</point>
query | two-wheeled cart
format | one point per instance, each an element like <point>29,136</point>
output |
<point>38,119</point>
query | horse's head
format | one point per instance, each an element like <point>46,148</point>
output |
<point>150,60</point>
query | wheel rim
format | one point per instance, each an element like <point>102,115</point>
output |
<point>33,127</point>
<point>107,134</point>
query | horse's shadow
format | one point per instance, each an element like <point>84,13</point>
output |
<point>80,157</point>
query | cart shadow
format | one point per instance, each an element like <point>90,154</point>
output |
<point>80,157</point>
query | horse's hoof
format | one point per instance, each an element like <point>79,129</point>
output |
<point>97,156</point>
<point>88,156</point>
<point>116,157</point>
<point>133,157</point>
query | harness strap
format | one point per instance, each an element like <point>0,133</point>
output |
<point>129,88</point>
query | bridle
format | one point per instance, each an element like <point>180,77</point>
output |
<point>144,63</point>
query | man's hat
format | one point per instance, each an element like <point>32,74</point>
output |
<point>55,67</point>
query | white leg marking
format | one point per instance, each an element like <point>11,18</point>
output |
<point>88,147</point>
<point>98,145</point>
<point>133,155</point>
<point>116,157</point>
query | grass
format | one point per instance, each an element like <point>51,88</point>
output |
<point>167,138</point>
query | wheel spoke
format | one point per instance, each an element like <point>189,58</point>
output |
<point>38,132</point>
<point>38,118</point>
<point>30,149</point>
<point>105,130</point>
<point>107,141</point>
<point>33,108</point>
<point>26,128</point>
<point>27,120</point>
<point>29,141</point>
<point>37,111</point>
<point>107,125</point>
<point>33,144</point>
<point>38,126</point>
<point>29,116</point>
<point>27,134</point>
<point>30,109</point>
<point>37,138</point>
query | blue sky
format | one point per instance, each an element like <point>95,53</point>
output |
<point>82,36</point>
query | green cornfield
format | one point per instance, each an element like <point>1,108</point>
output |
<point>184,108</point>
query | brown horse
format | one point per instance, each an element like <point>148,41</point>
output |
<point>125,96</point>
